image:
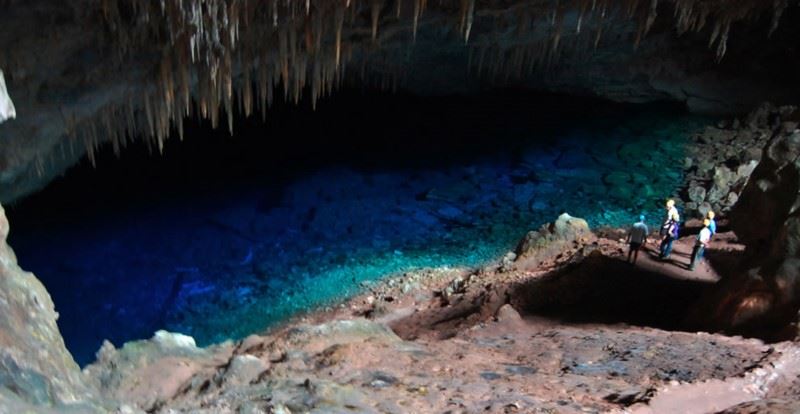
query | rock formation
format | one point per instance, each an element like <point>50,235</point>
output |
<point>721,159</point>
<point>764,296</point>
<point>7,110</point>
<point>766,218</point>
<point>36,371</point>
<point>119,72</point>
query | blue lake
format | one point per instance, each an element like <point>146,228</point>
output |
<point>231,255</point>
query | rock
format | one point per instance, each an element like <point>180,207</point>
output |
<point>730,200</point>
<point>507,313</point>
<point>36,370</point>
<point>697,194</point>
<point>243,369</point>
<point>552,238</point>
<point>174,340</point>
<point>716,193</point>
<point>631,396</point>
<point>723,177</point>
<point>766,291</point>
<point>279,409</point>
<point>744,171</point>
<point>7,110</point>
<point>704,208</point>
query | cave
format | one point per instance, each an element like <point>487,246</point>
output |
<point>399,206</point>
<point>197,237</point>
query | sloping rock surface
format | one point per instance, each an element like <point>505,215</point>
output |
<point>36,370</point>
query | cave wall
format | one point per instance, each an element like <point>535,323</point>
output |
<point>763,299</point>
<point>36,370</point>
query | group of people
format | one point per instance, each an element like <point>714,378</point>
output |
<point>670,230</point>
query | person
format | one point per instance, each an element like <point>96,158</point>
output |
<point>637,237</point>
<point>669,230</point>
<point>702,242</point>
<point>672,211</point>
<point>712,223</point>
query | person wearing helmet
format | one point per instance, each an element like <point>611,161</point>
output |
<point>672,211</point>
<point>702,242</point>
<point>712,223</point>
<point>637,237</point>
<point>669,230</point>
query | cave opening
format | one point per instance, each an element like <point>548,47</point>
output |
<point>222,236</point>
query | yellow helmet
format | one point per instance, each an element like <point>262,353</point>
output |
<point>706,223</point>
<point>670,203</point>
<point>710,215</point>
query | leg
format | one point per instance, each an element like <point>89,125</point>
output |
<point>696,253</point>
<point>636,254</point>
<point>630,252</point>
<point>668,247</point>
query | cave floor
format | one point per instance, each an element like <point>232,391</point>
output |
<point>493,347</point>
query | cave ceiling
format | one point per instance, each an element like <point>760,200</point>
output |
<point>83,74</point>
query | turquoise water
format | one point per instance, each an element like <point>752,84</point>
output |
<point>224,265</point>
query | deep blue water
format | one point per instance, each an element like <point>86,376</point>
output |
<point>219,243</point>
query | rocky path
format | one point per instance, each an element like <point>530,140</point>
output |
<point>677,265</point>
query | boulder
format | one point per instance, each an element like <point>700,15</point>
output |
<point>552,238</point>
<point>697,194</point>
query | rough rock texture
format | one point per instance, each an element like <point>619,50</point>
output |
<point>114,72</point>
<point>480,351</point>
<point>721,159</point>
<point>35,368</point>
<point>552,239</point>
<point>767,219</point>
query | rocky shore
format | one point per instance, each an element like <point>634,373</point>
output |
<point>560,325</point>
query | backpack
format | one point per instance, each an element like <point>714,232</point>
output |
<point>670,228</point>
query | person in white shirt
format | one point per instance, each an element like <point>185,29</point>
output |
<point>672,211</point>
<point>702,242</point>
<point>669,230</point>
<point>637,237</point>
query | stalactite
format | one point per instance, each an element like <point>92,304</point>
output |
<point>296,45</point>
<point>415,25</point>
<point>470,14</point>
<point>375,14</point>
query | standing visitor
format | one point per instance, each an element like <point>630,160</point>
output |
<point>702,242</point>
<point>672,211</point>
<point>712,226</point>
<point>637,237</point>
<point>669,230</point>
